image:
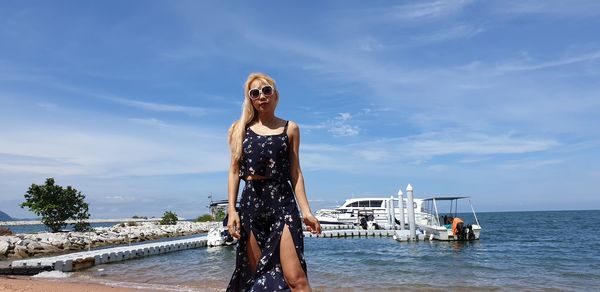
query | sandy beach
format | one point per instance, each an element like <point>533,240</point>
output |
<point>29,284</point>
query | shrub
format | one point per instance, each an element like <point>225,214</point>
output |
<point>220,215</point>
<point>169,218</point>
<point>57,204</point>
<point>204,218</point>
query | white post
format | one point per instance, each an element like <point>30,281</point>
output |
<point>411,212</point>
<point>401,207</point>
<point>392,217</point>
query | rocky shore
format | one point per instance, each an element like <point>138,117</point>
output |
<point>22,246</point>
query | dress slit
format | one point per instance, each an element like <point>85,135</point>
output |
<point>299,253</point>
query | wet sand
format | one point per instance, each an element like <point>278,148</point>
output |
<point>29,284</point>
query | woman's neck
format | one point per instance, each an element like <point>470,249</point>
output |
<point>266,119</point>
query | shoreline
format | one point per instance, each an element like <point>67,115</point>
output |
<point>26,284</point>
<point>79,283</point>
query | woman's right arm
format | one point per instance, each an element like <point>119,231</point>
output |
<point>233,184</point>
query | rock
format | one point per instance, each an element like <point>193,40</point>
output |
<point>20,251</point>
<point>33,246</point>
<point>48,248</point>
<point>25,245</point>
<point>4,245</point>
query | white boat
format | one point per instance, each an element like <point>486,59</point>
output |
<point>219,236</point>
<point>373,212</point>
<point>436,229</point>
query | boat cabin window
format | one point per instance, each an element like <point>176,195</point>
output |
<point>366,203</point>
<point>376,203</point>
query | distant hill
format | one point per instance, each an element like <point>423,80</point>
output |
<point>4,217</point>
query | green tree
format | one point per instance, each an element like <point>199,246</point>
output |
<point>169,218</point>
<point>204,218</point>
<point>56,205</point>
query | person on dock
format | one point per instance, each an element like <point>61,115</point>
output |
<point>265,154</point>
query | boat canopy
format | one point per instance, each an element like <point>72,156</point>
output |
<point>218,203</point>
<point>444,198</point>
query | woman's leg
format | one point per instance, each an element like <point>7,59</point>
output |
<point>253,251</point>
<point>293,273</point>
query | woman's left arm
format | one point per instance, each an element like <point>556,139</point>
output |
<point>298,180</point>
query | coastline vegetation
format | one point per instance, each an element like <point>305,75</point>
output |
<point>204,218</point>
<point>169,218</point>
<point>219,215</point>
<point>56,205</point>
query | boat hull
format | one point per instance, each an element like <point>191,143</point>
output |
<point>444,234</point>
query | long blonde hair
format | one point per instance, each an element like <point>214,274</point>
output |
<point>238,129</point>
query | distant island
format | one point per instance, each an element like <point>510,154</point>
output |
<point>5,217</point>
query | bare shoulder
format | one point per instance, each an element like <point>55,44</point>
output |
<point>293,128</point>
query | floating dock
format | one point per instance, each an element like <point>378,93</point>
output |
<point>351,233</point>
<point>85,259</point>
<point>343,230</point>
<point>81,260</point>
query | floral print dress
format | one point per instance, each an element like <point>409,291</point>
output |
<point>266,207</point>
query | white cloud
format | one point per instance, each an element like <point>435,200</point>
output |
<point>518,66</point>
<point>339,130</point>
<point>47,105</point>
<point>339,126</point>
<point>374,154</point>
<point>434,144</point>
<point>421,148</point>
<point>151,122</point>
<point>119,199</point>
<point>529,163</point>
<point>93,152</point>
<point>344,116</point>
<point>450,33</point>
<point>159,107</point>
<point>424,10</point>
<point>573,8</point>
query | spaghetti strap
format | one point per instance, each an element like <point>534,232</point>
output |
<point>285,127</point>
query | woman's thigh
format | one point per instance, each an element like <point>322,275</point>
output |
<point>290,263</point>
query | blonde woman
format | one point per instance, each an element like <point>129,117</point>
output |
<point>264,153</point>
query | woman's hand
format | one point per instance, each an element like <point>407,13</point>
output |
<point>312,224</point>
<point>233,224</point>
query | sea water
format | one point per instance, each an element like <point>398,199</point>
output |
<point>550,250</point>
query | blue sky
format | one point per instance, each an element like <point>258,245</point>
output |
<point>129,101</point>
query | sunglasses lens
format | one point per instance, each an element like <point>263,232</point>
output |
<point>254,93</point>
<point>267,90</point>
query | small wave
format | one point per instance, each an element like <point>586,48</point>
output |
<point>52,274</point>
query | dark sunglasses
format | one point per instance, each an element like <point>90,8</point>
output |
<point>254,93</point>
